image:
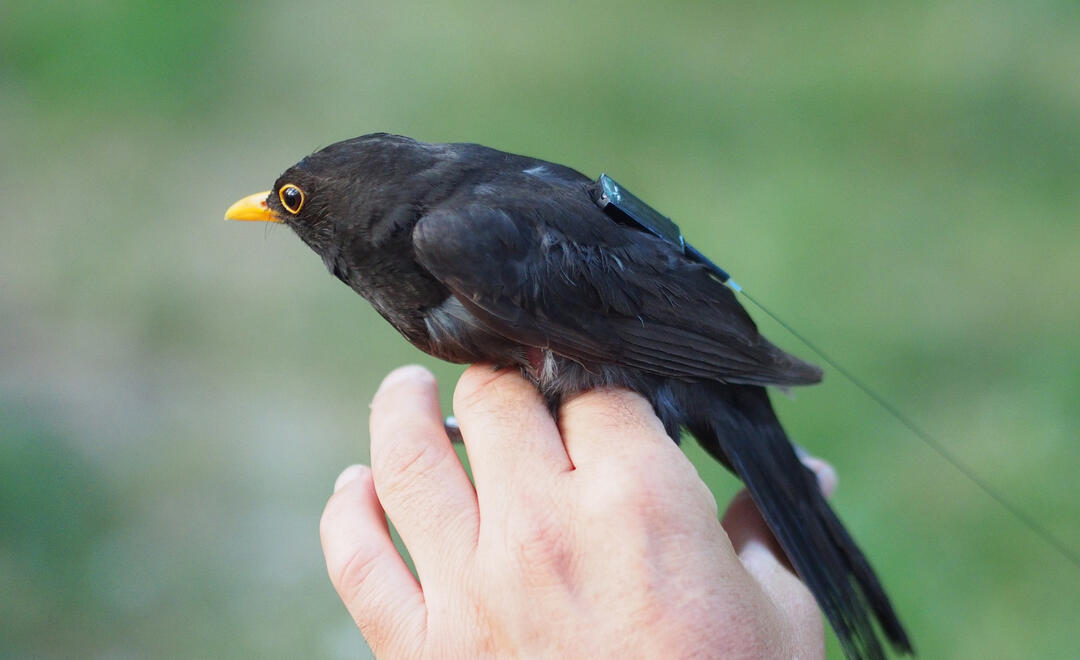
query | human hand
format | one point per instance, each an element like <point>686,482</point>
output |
<point>589,537</point>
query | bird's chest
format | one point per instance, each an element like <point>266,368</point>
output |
<point>403,302</point>
<point>390,279</point>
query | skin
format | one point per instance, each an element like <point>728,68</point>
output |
<point>479,256</point>
<point>588,537</point>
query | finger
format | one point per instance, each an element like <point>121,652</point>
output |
<point>825,473</point>
<point>766,562</point>
<point>601,424</point>
<point>418,477</point>
<point>509,434</point>
<point>743,522</point>
<point>370,576</point>
<point>744,526</point>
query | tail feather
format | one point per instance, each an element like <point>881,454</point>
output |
<point>740,428</point>
<point>864,575</point>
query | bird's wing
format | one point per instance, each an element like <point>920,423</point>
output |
<point>554,271</point>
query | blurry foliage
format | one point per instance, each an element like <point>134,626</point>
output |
<point>54,511</point>
<point>898,180</point>
<point>120,57</point>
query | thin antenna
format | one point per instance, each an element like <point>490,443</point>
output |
<point>624,206</point>
<point>931,441</point>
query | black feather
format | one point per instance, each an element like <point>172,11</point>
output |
<point>478,255</point>
<point>740,428</point>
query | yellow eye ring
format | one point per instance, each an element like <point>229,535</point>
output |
<point>292,198</point>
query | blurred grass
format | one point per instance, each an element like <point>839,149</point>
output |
<point>899,181</point>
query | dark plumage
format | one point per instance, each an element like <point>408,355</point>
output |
<point>476,255</point>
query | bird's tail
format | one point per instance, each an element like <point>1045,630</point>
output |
<point>740,429</point>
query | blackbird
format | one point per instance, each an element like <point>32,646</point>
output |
<point>477,255</point>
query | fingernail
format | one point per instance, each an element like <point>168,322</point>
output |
<point>825,473</point>
<point>412,372</point>
<point>348,475</point>
<point>406,373</point>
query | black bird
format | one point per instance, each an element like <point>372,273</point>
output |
<point>476,255</point>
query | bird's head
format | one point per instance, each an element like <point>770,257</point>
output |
<point>340,193</point>
<point>305,201</point>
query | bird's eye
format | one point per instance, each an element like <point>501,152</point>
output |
<point>292,198</point>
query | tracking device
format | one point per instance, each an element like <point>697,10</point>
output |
<point>625,207</point>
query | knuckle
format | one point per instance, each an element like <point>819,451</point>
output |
<point>687,485</point>
<point>622,485</point>
<point>652,484</point>
<point>352,578</point>
<point>396,463</point>
<point>388,631</point>
<point>538,547</point>
<point>538,533</point>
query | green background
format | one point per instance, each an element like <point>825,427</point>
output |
<point>177,394</point>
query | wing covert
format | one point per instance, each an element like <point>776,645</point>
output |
<point>559,274</point>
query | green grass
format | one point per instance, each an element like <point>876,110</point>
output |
<point>177,393</point>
